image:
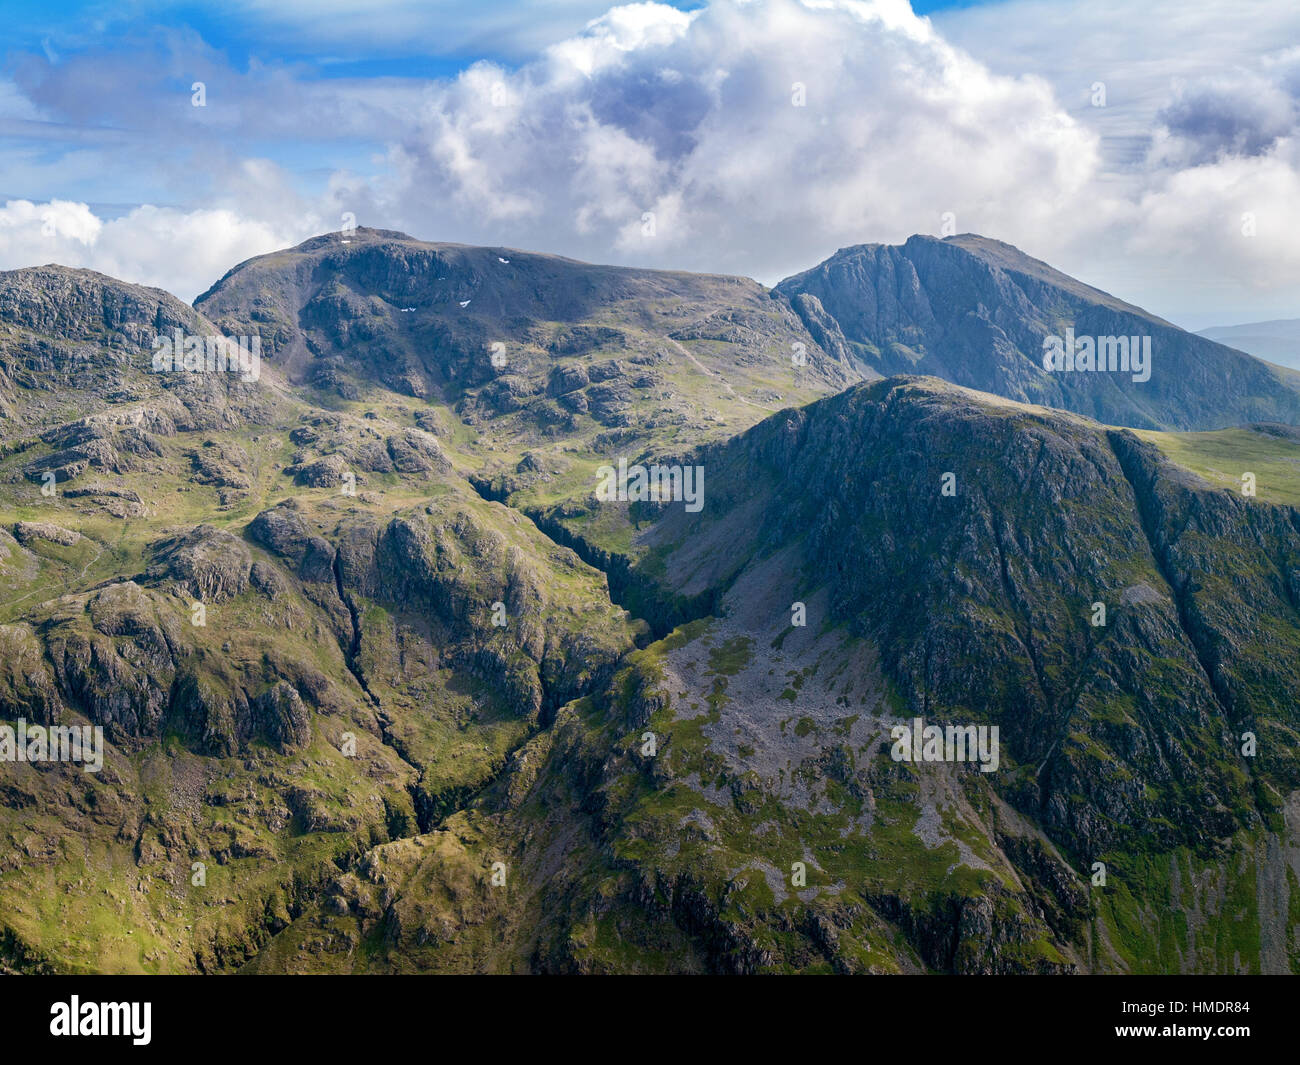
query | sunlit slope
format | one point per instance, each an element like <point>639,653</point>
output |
<point>1225,456</point>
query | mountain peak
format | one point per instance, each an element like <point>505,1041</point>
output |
<point>359,235</point>
<point>977,311</point>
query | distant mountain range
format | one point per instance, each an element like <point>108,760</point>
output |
<point>388,683</point>
<point>1276,341</point>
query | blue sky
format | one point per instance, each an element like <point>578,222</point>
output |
<point>562,125</point>
<point>33,25</point>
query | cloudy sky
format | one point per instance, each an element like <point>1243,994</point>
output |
<point>1154,152</point>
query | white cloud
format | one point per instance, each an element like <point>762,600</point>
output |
<point>181,251</point>
<point>1199,126</point>
<point>1245,210</point>
<point>761,136</point>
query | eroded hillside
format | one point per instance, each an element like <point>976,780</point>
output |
<point>386,686</point>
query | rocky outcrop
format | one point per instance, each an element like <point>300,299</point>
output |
<point>488,598</point>
<point>27,531</point>
<point>206,564</point>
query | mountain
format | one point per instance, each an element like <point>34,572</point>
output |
<point>976,312</point>
<point>1120,742</point>
<point>1277,341</point>
<point>526,346</point>
<point>69,340</point>
<point>280,614</point>
<point>389,684</point>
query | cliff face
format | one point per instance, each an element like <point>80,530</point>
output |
<point>731,802</point>
<point>386,686</point>
<point>1131,631</point>
<point>983,601</point>
<point>975,312</point>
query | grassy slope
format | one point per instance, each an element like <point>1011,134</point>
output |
<point>1221,457</point>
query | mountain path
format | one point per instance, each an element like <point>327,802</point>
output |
<point>713,373</point>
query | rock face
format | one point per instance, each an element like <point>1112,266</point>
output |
<point>81,305</point>
<point>976,311</point>
<point>206,563</point>
<point>1129,726</point>
<point>27,531</point>
<point>365,640</point>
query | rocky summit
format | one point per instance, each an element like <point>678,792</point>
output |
<point>416,607</point>
<point>977,312</point>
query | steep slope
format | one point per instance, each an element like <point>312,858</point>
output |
<point>301,631</point>
<point>657,827</point>
<point>349,670</point>
<point>975,312</point>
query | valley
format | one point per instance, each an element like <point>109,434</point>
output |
<point>448,707</point>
